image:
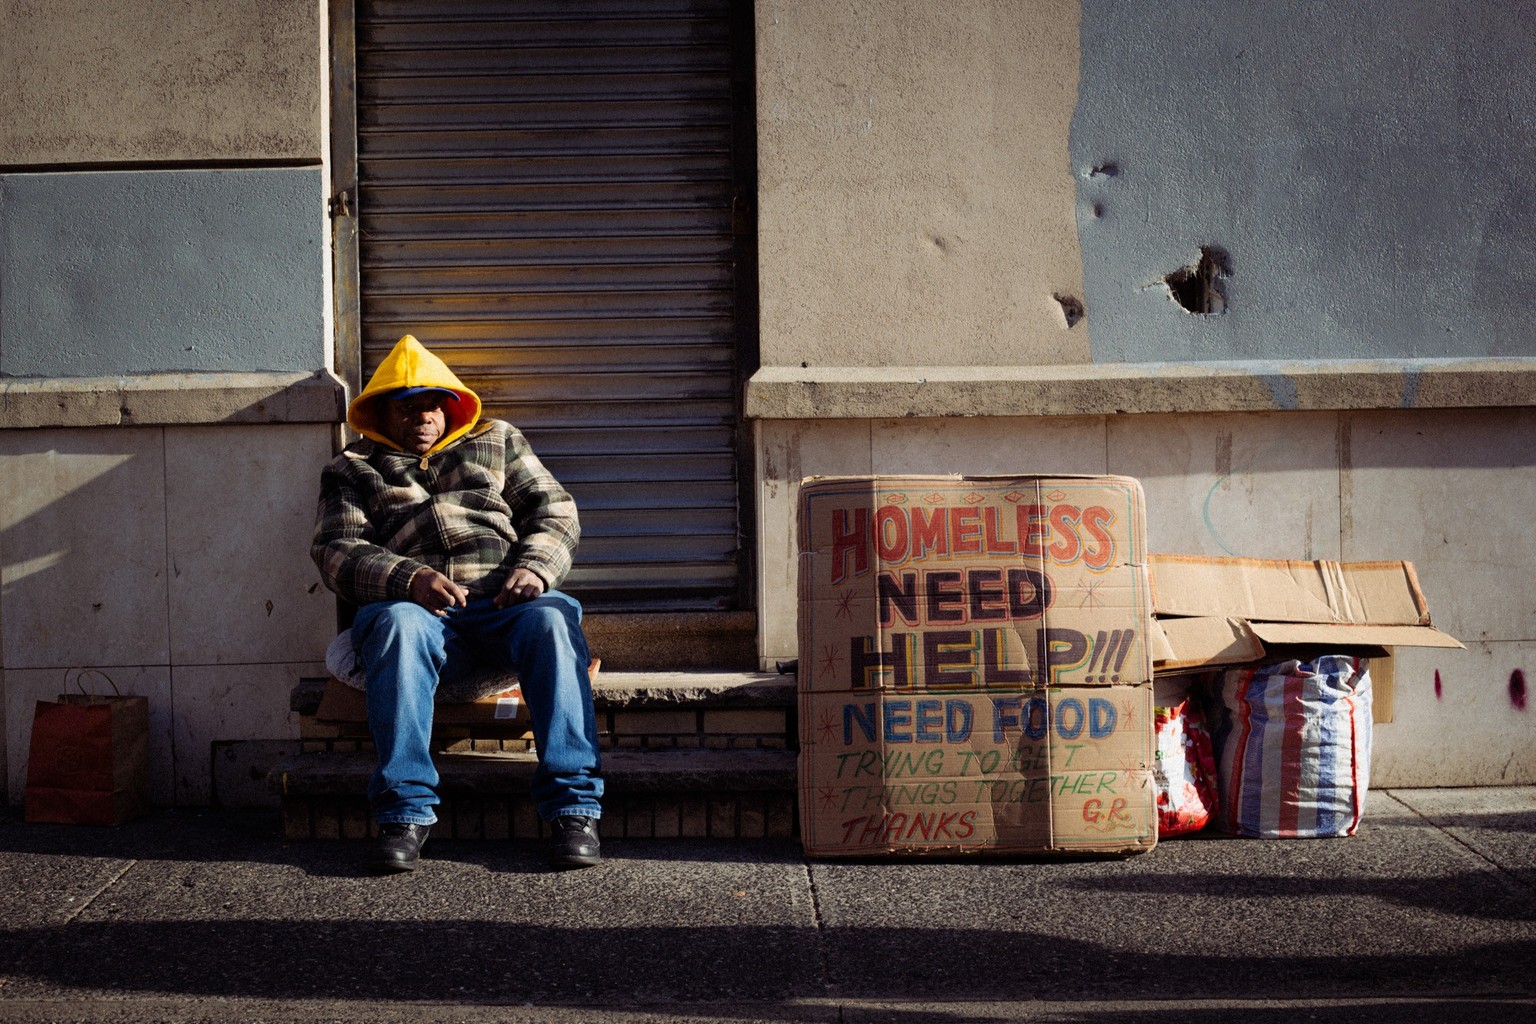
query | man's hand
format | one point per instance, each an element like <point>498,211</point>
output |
<point>436,592</point>
<point>522,585</point>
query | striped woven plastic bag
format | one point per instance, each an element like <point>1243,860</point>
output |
<point>1293,744</point>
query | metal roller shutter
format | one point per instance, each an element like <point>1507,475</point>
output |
<point>545,198</point>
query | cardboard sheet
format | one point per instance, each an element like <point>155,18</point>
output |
<point>343,704</point>
<point>1215,612</point>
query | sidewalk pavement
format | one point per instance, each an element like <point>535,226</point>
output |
<point>1428,914</point>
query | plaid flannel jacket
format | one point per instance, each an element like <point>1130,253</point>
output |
<point>476,510</point>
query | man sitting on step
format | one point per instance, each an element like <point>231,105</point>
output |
<point>450,537</point>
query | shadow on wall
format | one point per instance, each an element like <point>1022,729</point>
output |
<point>174,559</point>
<point>159,546</point>
<point>83,558</point>
<point>82,579</point>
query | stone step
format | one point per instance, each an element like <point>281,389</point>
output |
<point>704,754</point>
<point>635,710</point>
<point>634,691</point>
<point>650,794</point>
<point>622,691</point>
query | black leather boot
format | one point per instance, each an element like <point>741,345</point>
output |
<point>574,843</point>
<point>398,847</point>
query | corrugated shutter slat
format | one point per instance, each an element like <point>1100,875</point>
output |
<point>545,199</point>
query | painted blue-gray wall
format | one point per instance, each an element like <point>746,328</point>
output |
<point>123,272</point>
<point>1369,167</point>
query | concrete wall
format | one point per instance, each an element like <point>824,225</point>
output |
<point>165,400</point>
<point>140,81</point>
<point>116,272</point>
<point>1445,490</point>
<point>939,185</point>
<point>1360,168</point>
<point>1355,172</point>
<point>172,559</point>
<point>932,175</point>
<point>916,200</point>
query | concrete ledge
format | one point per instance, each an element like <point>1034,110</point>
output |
<point>897,392</point>
<point>636,691</point>
<point>171,398</point>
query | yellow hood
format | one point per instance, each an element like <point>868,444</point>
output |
<point>410,365</point>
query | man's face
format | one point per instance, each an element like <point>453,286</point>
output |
<point>416,423</point>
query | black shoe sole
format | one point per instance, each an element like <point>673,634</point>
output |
<point>391,867</point>
<point>568,862</point>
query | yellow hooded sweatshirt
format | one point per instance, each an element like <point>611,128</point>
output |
<point>410,365</point>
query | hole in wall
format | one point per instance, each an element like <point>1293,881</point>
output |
<point>1071,308</point>
<point>1201,289</point>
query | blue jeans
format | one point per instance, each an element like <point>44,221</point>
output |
<point>406,650</point>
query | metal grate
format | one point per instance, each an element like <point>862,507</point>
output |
<point>545,199</point>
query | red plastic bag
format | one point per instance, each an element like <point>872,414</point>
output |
<point>1185,766</point>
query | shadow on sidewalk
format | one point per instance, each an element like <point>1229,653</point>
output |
<point>480,961</point>
<point>213,904</point>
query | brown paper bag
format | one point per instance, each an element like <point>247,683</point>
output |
<point>90,758</point>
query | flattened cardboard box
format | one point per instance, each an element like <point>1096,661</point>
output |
<point>341,703</point>
<point>506,710</point>
<point>975,669</point>
<point>1222,611</point>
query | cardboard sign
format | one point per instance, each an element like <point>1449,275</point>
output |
<point>975,667</point>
